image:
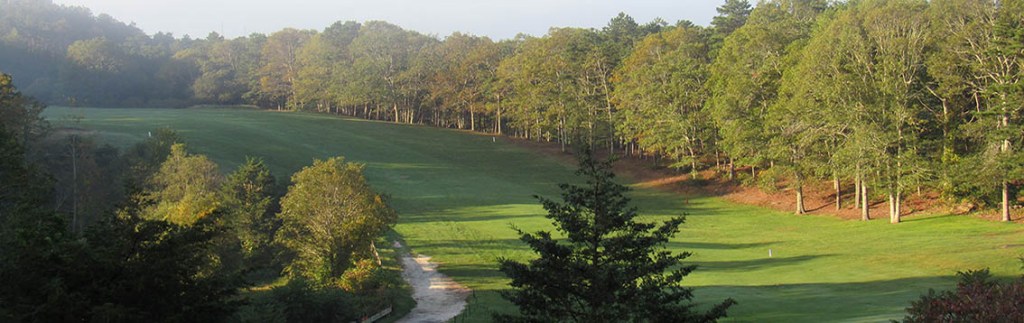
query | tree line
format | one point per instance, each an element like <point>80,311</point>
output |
<point>155,233</point>
<point>887,96</point>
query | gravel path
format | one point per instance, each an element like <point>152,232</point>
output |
<point>438,297</point>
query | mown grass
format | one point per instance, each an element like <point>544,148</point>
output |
<point>458,194</point>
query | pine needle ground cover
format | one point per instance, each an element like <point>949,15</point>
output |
<point>458,193</point>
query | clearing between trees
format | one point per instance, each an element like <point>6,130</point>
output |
<point>457,194</point>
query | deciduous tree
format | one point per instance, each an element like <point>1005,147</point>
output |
<point>184,190</point>
<point>330,218</point>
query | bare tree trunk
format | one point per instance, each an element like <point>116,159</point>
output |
<point>472,118</point>
<point>839,193</point>
<point>865,206</point>
<point>800,200</point>
<point>499,114</point>
<point>718,160</point>
<point>893,217</point>
<point>693,164</point>
<point>1006,185</point>
<point>898,207</point>
<point>857,183</point>
<point>1006,201</point>
<point>732,169</point>
<point>561,132</point>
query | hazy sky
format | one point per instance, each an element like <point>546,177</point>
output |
<point>495,18</point>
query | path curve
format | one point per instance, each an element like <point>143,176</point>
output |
<point>438,297</point>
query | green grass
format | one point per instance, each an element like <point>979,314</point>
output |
<point>457,195</point>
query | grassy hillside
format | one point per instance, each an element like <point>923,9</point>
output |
<point>458,193</point>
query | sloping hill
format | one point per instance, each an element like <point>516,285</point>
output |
<point>458,193</point>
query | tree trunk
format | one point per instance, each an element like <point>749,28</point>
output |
<point>561,132</point>
<point>800,200</point>
<point>898,207</point>
<point>893,216</point>
<point>857,183</point>
<point>693,164</point>
<point>1006,201</point>
<point>396,114</point>
<point>472,119</point>
<point>839,194</point>
<point>865,206</point>
<point>499,114</point>
<point>1006,185</point>
<point>798,179</point>
<point>732,169</point>
<point>718,160</point>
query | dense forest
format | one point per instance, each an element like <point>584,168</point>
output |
<point>888,96</point>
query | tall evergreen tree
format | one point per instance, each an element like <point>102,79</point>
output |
<point>732,15</point>
<point>1003,71</point>
<point>608,267</point>
<point>247,198</point>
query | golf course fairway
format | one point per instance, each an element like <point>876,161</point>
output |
<point>459,193</point>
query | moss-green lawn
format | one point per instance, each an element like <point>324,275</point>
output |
<point>458,193</point>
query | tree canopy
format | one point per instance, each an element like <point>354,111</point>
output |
<point>330,218</point>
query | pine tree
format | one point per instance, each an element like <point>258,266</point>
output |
<point>247,200</point>
<point>608,266</point>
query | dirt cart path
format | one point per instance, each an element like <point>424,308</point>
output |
<point>438,297</point>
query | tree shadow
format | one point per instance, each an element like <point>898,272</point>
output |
<point>753,264</point>
<point>717,246</point>
<point>871,301</point>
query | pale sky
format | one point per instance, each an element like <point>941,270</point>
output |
<point>499,19</point>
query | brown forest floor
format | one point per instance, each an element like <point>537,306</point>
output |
<point>819,197</point>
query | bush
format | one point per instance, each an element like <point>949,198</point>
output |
<point>977,298</point>
<point>300,301</point>
<point>374,287</point>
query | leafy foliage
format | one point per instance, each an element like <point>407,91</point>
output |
<point>608,265</point>
<point>330,217</point>
<point>977,298</point>
<point>184,190</point>
<point>661,94</point>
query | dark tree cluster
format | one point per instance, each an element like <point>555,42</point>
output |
<point>119,268</point>
<point>157,234</point>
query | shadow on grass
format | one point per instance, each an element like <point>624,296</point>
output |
<point>509,219</point>
<point>753,264</point>
<point>717,246</point>
<point>875,301</point>
<point>927,218</point>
